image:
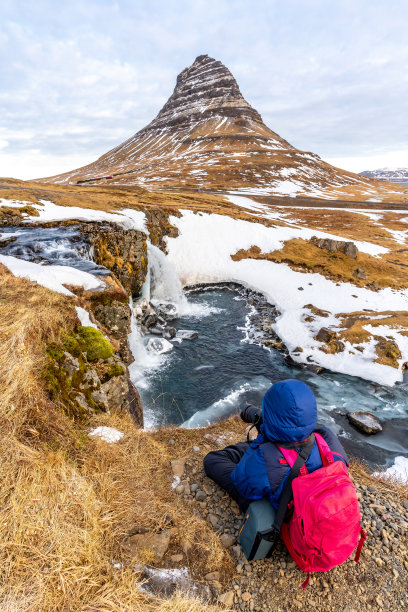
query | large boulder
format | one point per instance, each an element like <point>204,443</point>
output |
<point>167,310</point>
<point>365,421</point>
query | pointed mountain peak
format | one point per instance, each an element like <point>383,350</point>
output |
<point>203,90</point>
<point>208,137</point>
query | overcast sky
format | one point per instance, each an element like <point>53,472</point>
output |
<point>79,77</point>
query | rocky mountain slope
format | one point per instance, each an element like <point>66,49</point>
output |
<point>396,175</point>
<point>208,137</point>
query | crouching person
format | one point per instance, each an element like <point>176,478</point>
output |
<point>252,471</point>
<point>292,483</point>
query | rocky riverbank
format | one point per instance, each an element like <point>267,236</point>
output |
<point>378,582</point>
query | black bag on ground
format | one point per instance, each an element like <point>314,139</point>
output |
<point>259,519</point>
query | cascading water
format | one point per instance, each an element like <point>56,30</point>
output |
<point>164,284</point>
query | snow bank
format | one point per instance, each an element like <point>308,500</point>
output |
<point>83,316</point>
<point>202,253</point>
<point>397,472</point>
<point>127,218</point>
<point>52,277</point>
<point>107,434</point>
<point>276,236</point>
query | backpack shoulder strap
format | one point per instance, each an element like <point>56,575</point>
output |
<point>324,450</point>
<point>301,458</point>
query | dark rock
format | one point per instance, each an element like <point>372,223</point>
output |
<point>290,361</point>
<point>149,320</point>
<point>6,241</point>
<point>169,332</point>
<point>167,311</point>
<point>134,402</point>
<point>115,318</point>
<point>336,246</point>
<point>325,335</point>
<point>314,368</point>
<point>365,421</point>
<point>186,334</point>
<point>359,273</point>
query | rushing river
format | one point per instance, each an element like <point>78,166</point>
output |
<point>62,246</point>
<point>208,378</point>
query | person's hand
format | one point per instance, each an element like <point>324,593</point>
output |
<point>252,432</point>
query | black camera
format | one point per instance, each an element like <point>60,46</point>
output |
<point>251,414</point>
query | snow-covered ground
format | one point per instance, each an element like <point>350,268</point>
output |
<point>48,211</point>
<point>202,253</point>
<point>273,238</point>
<point>107,434</point>
<point>398,472</point>
<point>52,277</point>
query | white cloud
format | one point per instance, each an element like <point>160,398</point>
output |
<point>33,164</point>
<point>328,77</point>
<point>387,159</point>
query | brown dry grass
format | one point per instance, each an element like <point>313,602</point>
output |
<point>304,256</point>
<point>381,190</point>
<point>353,323</point>
<point>108,198</point>
<point>388,487</point>
<point>66,501</point>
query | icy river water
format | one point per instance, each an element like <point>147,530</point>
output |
<point>209,377</point>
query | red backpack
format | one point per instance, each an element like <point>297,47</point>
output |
<point>324,527</point>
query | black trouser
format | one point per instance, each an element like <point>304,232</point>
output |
<point>218,466</point>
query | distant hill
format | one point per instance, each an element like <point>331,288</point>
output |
<point>398,175</point>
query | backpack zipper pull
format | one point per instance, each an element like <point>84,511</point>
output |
<point>306,582</point>
<point>363,537</point>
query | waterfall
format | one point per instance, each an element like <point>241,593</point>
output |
<point>164,284</point>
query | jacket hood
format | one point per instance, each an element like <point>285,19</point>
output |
<point>289,411</point>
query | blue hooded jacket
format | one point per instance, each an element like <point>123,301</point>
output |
<point>289,415</point>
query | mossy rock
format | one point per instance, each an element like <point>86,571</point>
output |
<point>72,345</point>
<point>95,345</point>
<point>55,353</point>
